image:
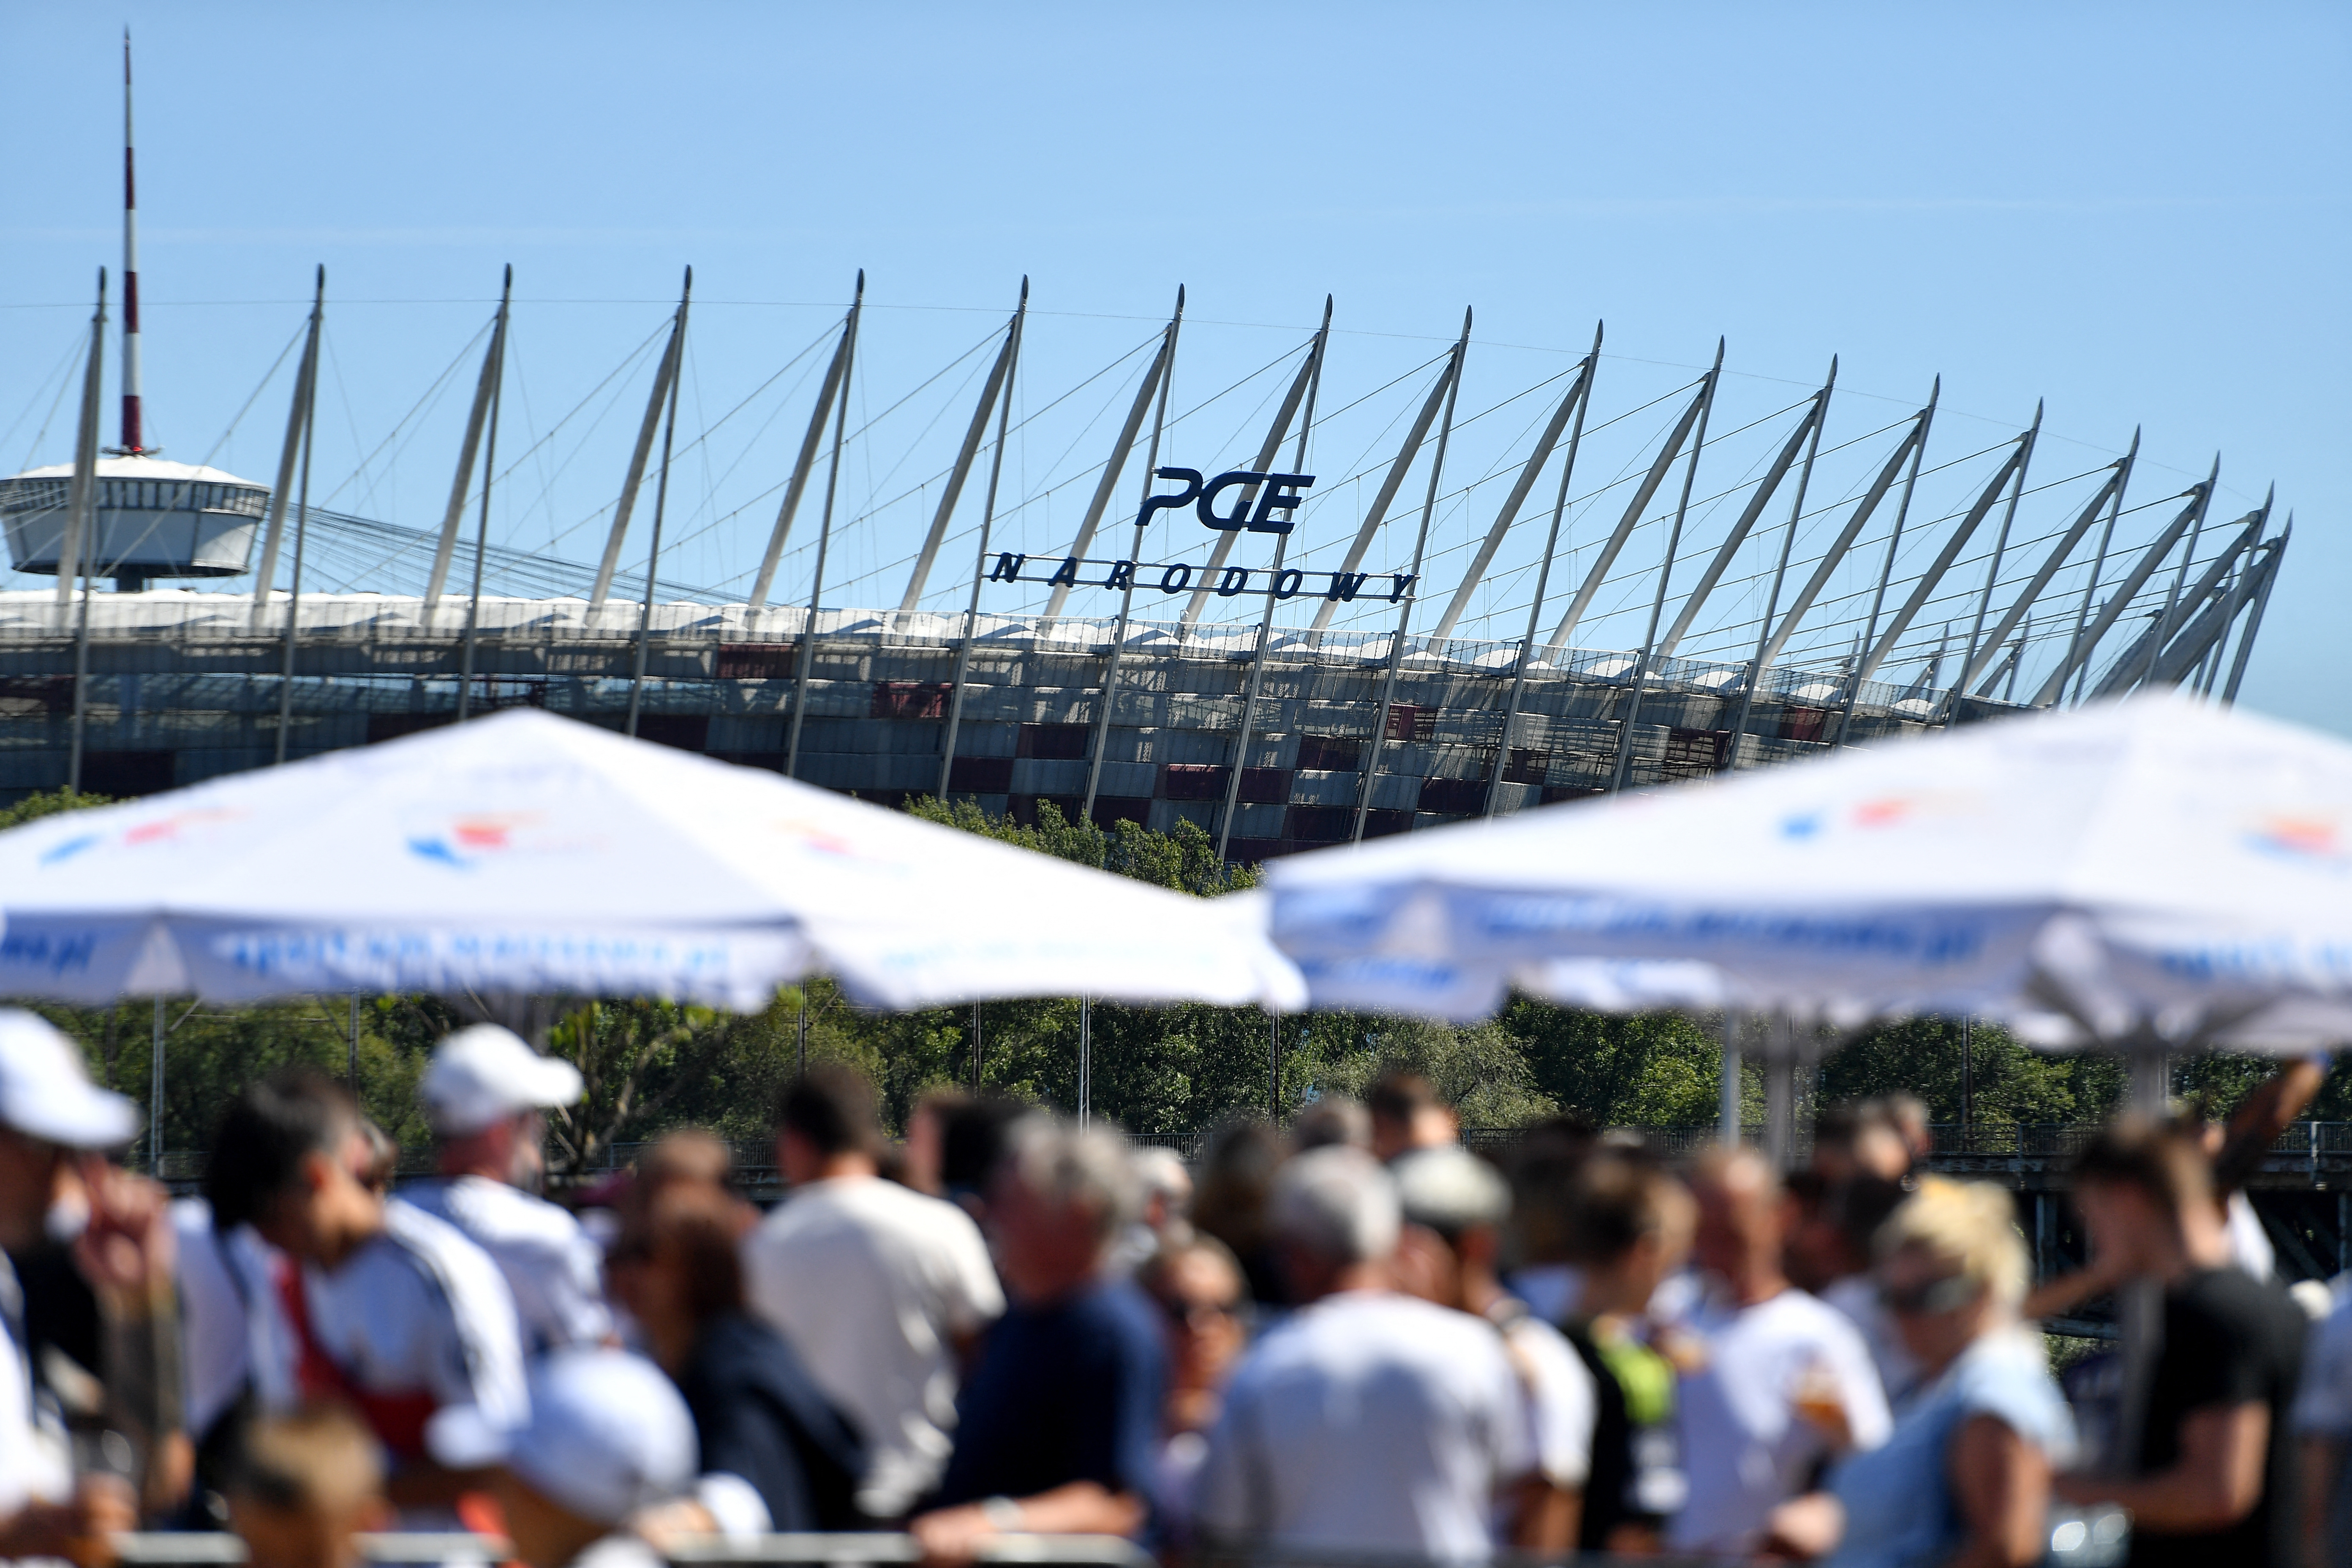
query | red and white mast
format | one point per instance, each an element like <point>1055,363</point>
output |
<point>134,442</point>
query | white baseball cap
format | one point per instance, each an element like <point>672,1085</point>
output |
<point>484,1074</point>
<point>46,1092</point>
<point>607,1435</point>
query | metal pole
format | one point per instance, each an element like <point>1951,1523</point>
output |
<point>1727,1088</point>
<point>156,1099</point>
<point>459,486</point>
<point>1086,1061</point>
<point>301,525</point>
<point>2098,565</point>
<point>2180,577</point>
<point>975,1044</point>
<point>1967,1080</point>
<point>1273,1067</point>
<point>1371,775</point>
<point>802,1068</point>
<point>1992,569</point>
<point>2255,621</point>
<point>636,471</point>
<point>803,466</point>
<point>1146,391</point>
<point>1665,572</point>
<point>82,553</point>
<point>1893,543</point>
<point>1266,622</point>
<point>661,501</point>
<point>1543,576</point>
<point>1779,573</point>
<point>999,375</point>
<point>1127,593</point>
<point>495,373</point>
<point>806,654</point>
<point>355,1044</point>
<point>980,562</point>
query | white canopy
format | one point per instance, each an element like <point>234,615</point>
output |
<point>524,853</point>
<point>2156,870</point>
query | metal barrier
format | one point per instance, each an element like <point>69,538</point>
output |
<point>194,1549</point>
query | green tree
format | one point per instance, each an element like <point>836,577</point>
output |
<point>49,803</point>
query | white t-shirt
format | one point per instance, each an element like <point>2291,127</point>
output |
<point>1745,1447</point>
<point>872,1283</point>
<point>421,1310</point>
<point>1367,1422</point>
<point>226,1307</point>
<point>1561,1399</point>
<point>2249,1244</point>
<point>554,1272</point>
<point>35,1461</point>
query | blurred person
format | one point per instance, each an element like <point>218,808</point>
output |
<point>1633,1225</point>
<point>1906,1113</point>
<point>1965,1476</point>
<point>1367,1420</point>
<point>236,1349</point>
<point>485,1091</point>
<point>1331,1120</point>
<point>1542,1169</point>
<point>306,1485</point>
<point>389,1309</point>
<point>603,1439</point>
<point>381,1169</point>
<point>2323,1425</point>
<point>924,1156</point>
<point>1237,1167</point>
<point>1861,1140</point>
<point>971,1141</point>
<point>1456,1206</point>
<point>1785,1382</point>
<point>1055,1428</point>
<point>881,1289</point>
<point>1407,1114</point>
<point>1167,1189</point>
<point>122,1257</point>
<point>2215,1474</point>
<point>1198,1288</point>
<point>1832,1253</point>
<point>761,1420</point>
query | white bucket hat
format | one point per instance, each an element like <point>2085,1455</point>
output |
<point>483,1074</point>
<point>46,1092</point>
<point>607,1435</point>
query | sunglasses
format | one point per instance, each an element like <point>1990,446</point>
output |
<point>1930,1297</point>
<point>1190,1315</point>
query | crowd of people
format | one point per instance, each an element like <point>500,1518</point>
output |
<point>1350,1336</point>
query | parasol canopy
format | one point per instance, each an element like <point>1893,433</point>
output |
<point>528,854</point>
<point>2154,871</point>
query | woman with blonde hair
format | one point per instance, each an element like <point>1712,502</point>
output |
<point>1966,1477</point>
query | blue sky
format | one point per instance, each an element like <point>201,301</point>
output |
<point>2139,214</point>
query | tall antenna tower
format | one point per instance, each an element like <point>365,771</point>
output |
<point>134,444</point>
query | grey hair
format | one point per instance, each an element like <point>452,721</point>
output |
<point>1337,1204</point>
<point>1089,1171</point>
<point>1451,1191</point>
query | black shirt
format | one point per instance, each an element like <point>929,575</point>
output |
<point>1070,1392</point>
<point>759,1415</point>
<point>2228,1340</point>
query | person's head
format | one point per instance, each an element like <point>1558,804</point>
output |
<point>485,1093</point>
<point>1059,1199</point>
<point>926,1152</point>
<point>608,1434</point>
<point>1543,1168</point>
<point>1167,1189</point>
<point>1740,1223</point>
<point>1236,1175</point>
<point>1952,1267</point>
<point>1831,1235</point>
<point>1632,1229</point>
<point>1408,1115</point>
<point>1859,1140</point>
<point>1908,1115</point>
<point>1333,1217</point>
<point>1331,1120</point>
<point>677,1266</point>
<point>49,1108</point>
<point>382,1167</point>
<point>827,1124</point>
<point>2145,1191</point>
<point>304,1486</point>
<point>1454,1206</point>
<point>1197,1284</point>
<point>289,1159</point>
<point>688,1157</point>
<point>971,1145</point>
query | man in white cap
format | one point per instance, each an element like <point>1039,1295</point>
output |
<point>394,1312</point>
<point>484,1094</point>
<point>49,1110</point>
<point>608,1438</point>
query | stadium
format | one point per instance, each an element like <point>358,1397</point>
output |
<point>1340,586</point>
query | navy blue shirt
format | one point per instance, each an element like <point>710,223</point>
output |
<point>1070,1392</point>
<point>759,1415</point>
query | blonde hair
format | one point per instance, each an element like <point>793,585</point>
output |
<point>318,1458</point>
<point>1971,1224</point>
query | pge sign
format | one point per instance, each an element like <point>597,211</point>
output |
<point>1278,493</point>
